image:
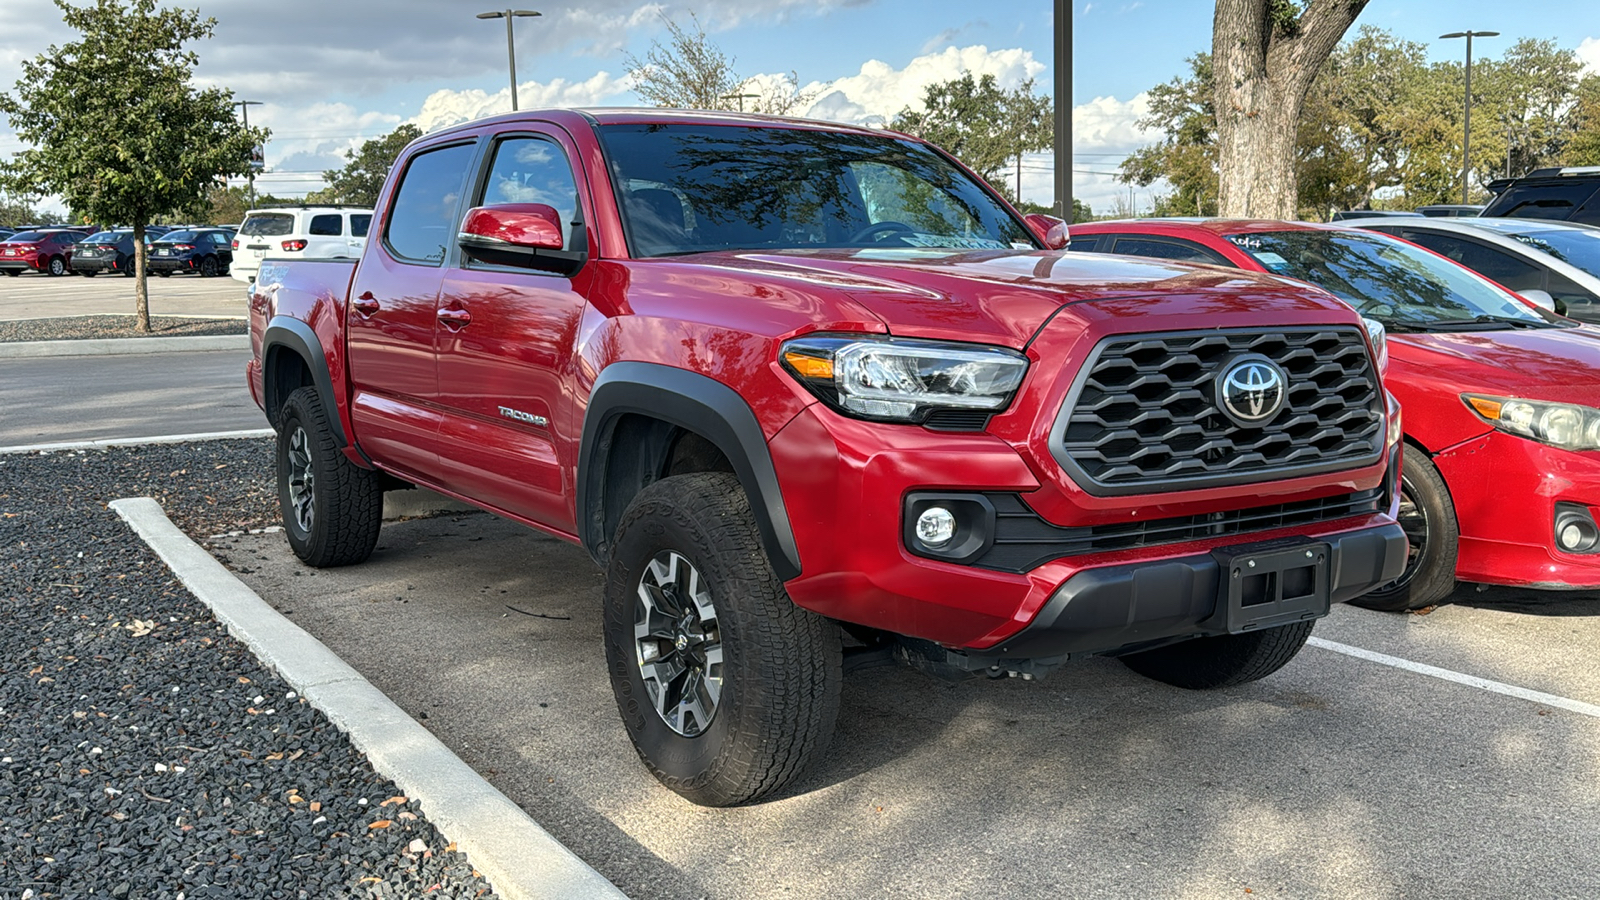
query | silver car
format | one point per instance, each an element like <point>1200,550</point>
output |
<point>1553,264</point>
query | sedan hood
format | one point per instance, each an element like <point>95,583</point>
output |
<point>1004,297</point>
<point>1561,364</point>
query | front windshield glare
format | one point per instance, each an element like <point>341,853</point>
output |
<point>697,188</point>
<point>1384,278</point>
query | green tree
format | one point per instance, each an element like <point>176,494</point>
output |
<point>983,126</point>
<point>115,125</point>
<point>360,180</point>
<point>17,210</point>
<point>1187,155</point>
<point>1584,149</point>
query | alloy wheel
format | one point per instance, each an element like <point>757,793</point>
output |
<point>678,643</point>
<point>302,480</point>
<point>1413,519</point>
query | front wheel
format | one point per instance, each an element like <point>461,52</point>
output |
<point>332,508</point>
<point>1207,663</point>
<point>727,689</point>
<point>56,266</point>
<point>1428,517</point>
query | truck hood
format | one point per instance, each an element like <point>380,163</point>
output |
<point>1004,297</point>
<point>1560,364</point>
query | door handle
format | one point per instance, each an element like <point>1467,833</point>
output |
<point>455,319</point>
<point>366,304</point>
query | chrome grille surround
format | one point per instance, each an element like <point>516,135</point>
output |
<point>1142,416</point>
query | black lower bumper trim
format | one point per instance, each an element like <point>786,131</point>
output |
<point>1099,611</point>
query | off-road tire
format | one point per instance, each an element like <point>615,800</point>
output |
<point>1207,663</point>
<point>782,666</point>
<point>1430,574</point>
<point>345,501</point>
<point>55,266</point>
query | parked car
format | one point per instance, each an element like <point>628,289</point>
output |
<point>107,251</point>
<point>6,233</point>
<point>1501,481</point>
<point>204,251</point>
<point>1570,194</point>
<point>1553,263</point>
<point>301,232</point>
<point>1451,210</point>
<point>48,251</point>
<point>788,382</point>
<point>1369,213</point>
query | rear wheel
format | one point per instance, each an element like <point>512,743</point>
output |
<point>1428,517</point>
<point>727,689</point>
<point>56,266</point>
<point>127,268</point>
<point>208,267</point>
<point>332,508</point>
<point>1223,661</point>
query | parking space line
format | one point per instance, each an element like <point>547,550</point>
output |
<point>1484,684</point>
<point>103,443</point>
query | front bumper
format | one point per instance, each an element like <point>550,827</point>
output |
<point>1505,490</point>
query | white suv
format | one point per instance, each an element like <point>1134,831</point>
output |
<point>298,232</point>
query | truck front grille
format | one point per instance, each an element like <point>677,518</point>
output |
<point>1143,415</point>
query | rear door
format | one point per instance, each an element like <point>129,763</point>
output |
<point>506,378</point>
<point>325,237</point>
<point>389,319</point>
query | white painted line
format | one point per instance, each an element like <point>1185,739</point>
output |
<point>1484,684</point>
<point>520,859</point>
<point>123,346</point>
<point>135,442</point>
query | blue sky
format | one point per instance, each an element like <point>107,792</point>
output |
<point>334,74</point>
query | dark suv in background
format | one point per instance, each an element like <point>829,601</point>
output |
<point>1570,194</point>
<point>206,251</point>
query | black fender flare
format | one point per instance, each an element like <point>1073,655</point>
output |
<point>699,404</point>
<point>296,337</point>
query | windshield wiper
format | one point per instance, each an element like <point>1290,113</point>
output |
<point>1486,319</point>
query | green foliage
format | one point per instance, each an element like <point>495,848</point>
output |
<point>359,182</point>
<point>982,125</point>
<point>1187,156</point>
<point>1584,149</point>
<point>17,210</point>
<point>114,125</point>
<point>227,205</point>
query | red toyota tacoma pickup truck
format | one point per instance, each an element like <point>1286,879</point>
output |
<point>807,391</point>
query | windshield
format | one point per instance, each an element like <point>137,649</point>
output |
<point>1384,278</point>
<point>1580,248</point>
<point>177,237</point>
<point>695,188</point>
<point>263,224</point>
<point>29,236</point>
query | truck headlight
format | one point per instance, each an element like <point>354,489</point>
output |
<point>1565,425</point>
<point>893,380</point>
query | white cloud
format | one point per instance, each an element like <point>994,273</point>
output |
<point>879,90</point>
<point>444,108</point>
<point>1589,52</point>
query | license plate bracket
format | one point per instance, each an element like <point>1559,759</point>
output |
<point>1270,584</point>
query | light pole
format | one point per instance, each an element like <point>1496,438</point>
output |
<point>1466,127</point>
<point>1063,112</point>
<point>740,98</point>
<point>511,42</point>
<point>244,110</point>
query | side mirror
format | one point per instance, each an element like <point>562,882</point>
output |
<point>1049,229</point>
<point>1541,299</point>
<point>524,235</point>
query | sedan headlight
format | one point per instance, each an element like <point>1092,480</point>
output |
<point>1380,343</point>
<point>893,380</point>
<point>1564,425</point>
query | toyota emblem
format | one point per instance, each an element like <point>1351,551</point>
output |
<point>1252,390</point>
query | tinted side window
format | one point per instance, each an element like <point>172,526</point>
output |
<point>359,223</point>
<point>1544,201</point>
<point>1084,244</point>
<point>1485,260</point>
<point>533,170</point>
<point>1179,251</point>
<point>422,221</point>
<point>327,224</point>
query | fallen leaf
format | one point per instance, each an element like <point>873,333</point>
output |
<point>393,801</point>
<point>409,817</point>
<point>381,823</point>
<point>140,627</point>
<point>316,806</point>
<point>369,879</point>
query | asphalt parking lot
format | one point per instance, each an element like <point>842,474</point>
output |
<point>34,296</point>
<point>1336,777</point>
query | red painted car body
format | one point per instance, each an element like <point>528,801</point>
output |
<point>1505,487</point>
<point>425,367</point>
<point>36,250</point>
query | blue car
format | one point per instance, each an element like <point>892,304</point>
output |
<point>204,251</point>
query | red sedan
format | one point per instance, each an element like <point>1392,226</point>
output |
<point>46,250</point>
<point>1501,479</point>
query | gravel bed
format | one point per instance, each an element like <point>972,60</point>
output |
<point>79,328</point>
<point>143,751</point>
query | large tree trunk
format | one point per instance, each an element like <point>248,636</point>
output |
<point>141,287</point>
<point>1263,69</point>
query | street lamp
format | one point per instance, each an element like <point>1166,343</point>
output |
<point>1466,127</point>
<point>511,42</point>
<point>244,109</point>
<point>740,98</point>
<point>1063,101</point>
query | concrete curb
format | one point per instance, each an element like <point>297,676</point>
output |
<point>520,859</point>
<point>122,346</point>
<point>134,442</point>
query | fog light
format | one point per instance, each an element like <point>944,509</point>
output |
<point>936,527</point>
<point>1576,531</point>
<point>1571,537</point>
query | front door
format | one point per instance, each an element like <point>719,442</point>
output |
<point>392,311</point>
<point>505,340</point>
